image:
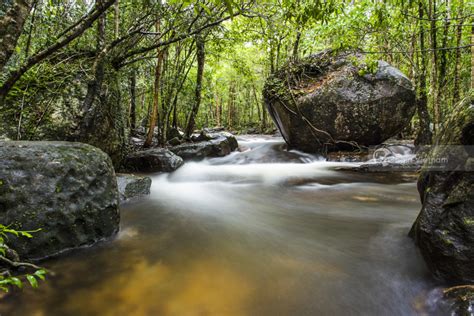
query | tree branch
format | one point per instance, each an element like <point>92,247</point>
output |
<point>75,32</point>
<point>119,62</point>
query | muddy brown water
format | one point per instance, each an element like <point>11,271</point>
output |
<point>263,231</point>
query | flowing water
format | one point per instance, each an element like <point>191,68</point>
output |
<point>262,231</point>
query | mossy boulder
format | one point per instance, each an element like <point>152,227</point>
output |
<point>444,229</point>
<point>68,190</point>
<point>338,100</point>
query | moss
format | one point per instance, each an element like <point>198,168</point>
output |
<point>468,221</point>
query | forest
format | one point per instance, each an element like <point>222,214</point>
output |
<point>236,157</point>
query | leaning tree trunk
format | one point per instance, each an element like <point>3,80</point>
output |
<point>200,50</point>
<point>12,19</point>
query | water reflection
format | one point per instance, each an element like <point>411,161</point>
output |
<point>261,232</point>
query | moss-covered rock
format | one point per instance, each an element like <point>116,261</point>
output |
<point>444,229</point>
<point>68,190</point>
<point>332,101</point>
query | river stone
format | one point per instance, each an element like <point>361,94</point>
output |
<point>174,133</point>
<point>444,229</point>
<point>153,160</point>
<point>68,190</point>
<point>458,300</point>
<point>332,101</point>
<point>131,186</point>
<point>219,144</point>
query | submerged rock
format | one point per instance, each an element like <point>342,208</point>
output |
<point>130,185</point>
<point>332,101</point>
<point>444,229</point>
<point>68,190</point>
<point>218,144</point>
<point>152,160</point>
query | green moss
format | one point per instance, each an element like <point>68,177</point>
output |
<point>468,221</point>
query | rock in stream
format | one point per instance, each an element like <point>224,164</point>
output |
<point>336,101</point>
<point>444,229</point>
<point>68,190</point>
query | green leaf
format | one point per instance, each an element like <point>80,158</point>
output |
<point>229,5</point>
<point>17,282</point>
<point>26,234</point>
<point>205,8</point>
<point>40,274</point>
<point>32,280</point>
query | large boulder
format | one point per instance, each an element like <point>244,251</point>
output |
<point>152,160</point>
<point>333,101</point>
<point>444,229</point>
<point>68,190</point>
<point>131,186</point>
<point>206,144</point>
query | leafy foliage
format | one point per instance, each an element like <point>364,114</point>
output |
<point>245,41</point>
<point>17,280</point>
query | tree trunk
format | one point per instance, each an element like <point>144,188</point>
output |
<point>163,125</point>
<point>67,37</point>
<point>201,54</point>
<point>218,108</point>
<point>95,84</point>
<point>443,60</point>
<point>457,64</point>
<point>296,45</point>
<point>424,135</point>
<point>434,63</point>
<point>156,98</point>
<point>133,101</point>
<point>11,26</point>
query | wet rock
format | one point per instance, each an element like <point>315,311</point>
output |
<point>131,186</point>
<point>458,300</point>
<point>331,101</point>
<point>152,160</point>
<point>444,229</point>
<point>68,190</point>
<point>201,137</point>
<point>174,141</point>
<point>347,156</point>
<point>218,145</point>
<point>174,133</point>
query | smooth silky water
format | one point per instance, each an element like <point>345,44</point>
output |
<point>263,231</point>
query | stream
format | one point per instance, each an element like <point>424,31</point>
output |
<point>263,231</point>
